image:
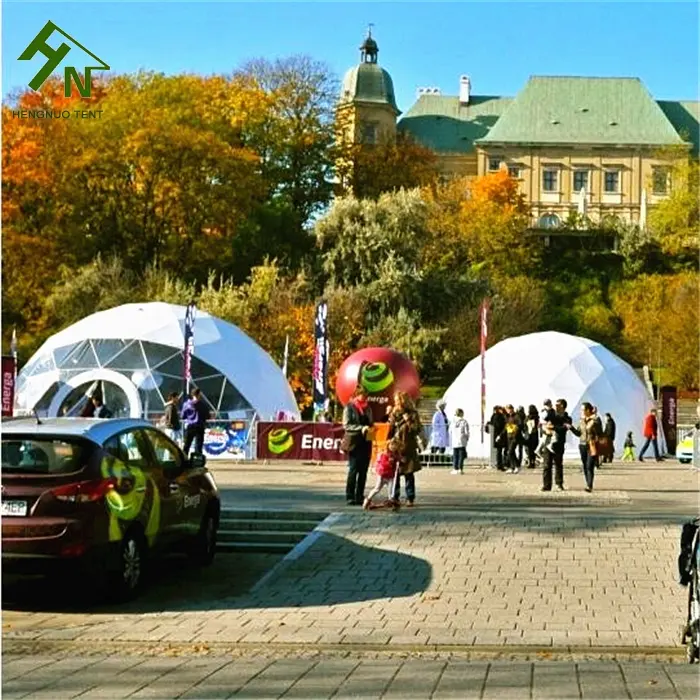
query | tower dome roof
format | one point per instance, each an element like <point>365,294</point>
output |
<point>367,82</point>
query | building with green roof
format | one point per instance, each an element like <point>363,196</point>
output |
<point>598,146</point>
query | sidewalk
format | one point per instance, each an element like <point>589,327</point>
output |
<point>208,678</point>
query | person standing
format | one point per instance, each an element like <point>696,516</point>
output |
<point>171,418</point>
<point>357,421</point>
<point>405,428</point>
<point>609,432</point>
<point>101,411</point>
<point>439,436</point>
<point>459,437</point>
<point>194,419</point>
<point>650,433</point>
<point>554,458</point>
<point>497,430</point>
<point>513,440</point>
<point>589,432</point>
<point>532,424</point>
<point>628,448</point>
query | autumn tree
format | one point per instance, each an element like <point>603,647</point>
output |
<point>368,170</point>
<point>660,320</point>
<point>675,221</point>
<point>479,221</point>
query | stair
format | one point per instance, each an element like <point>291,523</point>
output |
<point>264,531</point>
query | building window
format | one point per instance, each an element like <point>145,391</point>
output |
<point>580,180</point>
<point>612,181</point>
<point>514,171</point>
<point>549,221</point>
<point>494,164</point>
<point>550,180</point>
<point>659,180</point>
<point>369,132</point>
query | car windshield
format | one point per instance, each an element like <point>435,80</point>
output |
<point>23,455</point>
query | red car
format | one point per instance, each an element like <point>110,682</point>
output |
<point>101,497</point>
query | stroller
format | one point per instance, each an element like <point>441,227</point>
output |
<point>689,575</point>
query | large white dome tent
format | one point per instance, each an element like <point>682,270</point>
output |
<point>531,368</point>
<point>134,352</point>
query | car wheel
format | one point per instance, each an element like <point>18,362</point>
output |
<point>204,545</point>
<point>128,578</point>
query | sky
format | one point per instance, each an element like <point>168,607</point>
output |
<point>498,44</point>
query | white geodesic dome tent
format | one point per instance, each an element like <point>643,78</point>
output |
<point>134,355</point>
<point>531,368</point>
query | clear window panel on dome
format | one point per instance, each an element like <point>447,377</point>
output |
<point>152,403</point>
<point>107,349</point>
<point>171,385</point>
<point>211,389</point>
<point>173,366</point>
<point>43,364</point>
<point>82,358</point>
<point>156,354</point>
<point>202,369</point>
<point>130,358</point>
<point>60,354</point>
<point>232,400</point>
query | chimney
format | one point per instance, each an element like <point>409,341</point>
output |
<point>465,88</point>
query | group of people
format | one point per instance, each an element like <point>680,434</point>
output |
<point>400,458</point>
<point>192,418</point>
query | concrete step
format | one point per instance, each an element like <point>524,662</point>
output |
<point>266,514</point>
<point>271,536</point>
<point>253,547</point>
<point>249,524</point>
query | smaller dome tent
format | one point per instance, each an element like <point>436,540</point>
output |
<point>531,368</point>
<point>134,355</point>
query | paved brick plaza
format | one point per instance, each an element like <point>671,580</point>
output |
<point>484,565</point>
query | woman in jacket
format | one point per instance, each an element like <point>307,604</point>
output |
<point>589,432</point>
<point>405,428</point>
<point>357,421</point>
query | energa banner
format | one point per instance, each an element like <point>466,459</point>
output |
<point>312,442</point>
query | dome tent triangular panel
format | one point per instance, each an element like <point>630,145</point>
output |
<point>220,348</point>
<point>550,365</point>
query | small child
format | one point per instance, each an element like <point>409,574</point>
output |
<point>385,468</point>
<point>628,453</point>
<point>459,437</point>
<point>548,441</point>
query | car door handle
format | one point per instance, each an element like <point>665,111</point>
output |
<point>174,488</point>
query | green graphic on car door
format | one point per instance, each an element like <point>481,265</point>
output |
<point>134,492</point>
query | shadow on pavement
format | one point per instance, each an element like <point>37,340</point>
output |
<point>334,570</point>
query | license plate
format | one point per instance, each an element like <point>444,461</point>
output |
<point>14,508</point>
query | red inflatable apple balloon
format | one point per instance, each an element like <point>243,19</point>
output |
<point>384,373</point>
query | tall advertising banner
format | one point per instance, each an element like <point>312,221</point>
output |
<point>8,385</point>
<point>189,346</point>
<point>669,416</point>
<point>321,355</point>
<point>311,442</point>
<point>483,324</point>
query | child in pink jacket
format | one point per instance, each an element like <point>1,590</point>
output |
<point>385,468</point>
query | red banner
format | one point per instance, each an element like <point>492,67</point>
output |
<point>310,442</point>
<point>669,416</point>
<point>8,385</point>
<point>483,319</point>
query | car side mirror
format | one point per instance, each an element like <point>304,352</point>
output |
<point>197,461</point>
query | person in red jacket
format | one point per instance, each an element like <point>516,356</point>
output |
<point>650,432</point>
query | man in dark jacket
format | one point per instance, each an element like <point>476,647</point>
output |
<point>194,419</point>
<point>357,421</point>
<point>560,420</point>
<point>496,428</point>
<point>609,431</point>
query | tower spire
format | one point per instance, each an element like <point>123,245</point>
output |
<point>369,48</point>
